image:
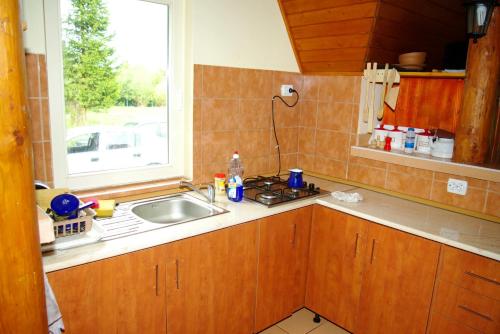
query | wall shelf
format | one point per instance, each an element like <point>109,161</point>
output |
<point>441,75</point>
<point>426,162</point>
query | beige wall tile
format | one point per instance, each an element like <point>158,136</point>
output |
<point>307,140</point>
<point>197,148</point>
<point>332,144</point>
<point>39,161</point>
<point>32,75</point>
<point>256,166</point>
<point>197,80</point>
<point>220,82</point>
<point>36,119</point>
<point>197,116</point>
<point>254,114</point>
<point>210,169</point>
<point>335,116</point>
<point>219,114</point>
<point>368,175</point>
<point>474,199</point>
<point>367,162</point>
<point>422,173</point>
<point>45,119</point>
<point>256,84</point>
<point>308,113</point>
<point>310,88</point>
<point>494,186</point>
<point>284,116</point>
<point>330,167</point>
<point>253,143</point>
<point>409,184</point>
<point>337,88</point>
<point>306,161</point>
<point>288,140</point>
<point>218,146</point>
<point>44,91</point>
<point>47,149</point>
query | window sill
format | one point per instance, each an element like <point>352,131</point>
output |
<point>427,162</point>
<point>134,191</point>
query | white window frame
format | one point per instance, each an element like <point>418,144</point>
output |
<point>179,106</point>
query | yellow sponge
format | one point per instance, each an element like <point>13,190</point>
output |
<point>106,208</point>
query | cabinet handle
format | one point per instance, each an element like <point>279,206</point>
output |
<point>465,308</point>
<point>294,234</point>
<point>177,273</point>
<point>356,245</point>
<point>373,251</point>
<point>489,280</point>
<point>156,280</point>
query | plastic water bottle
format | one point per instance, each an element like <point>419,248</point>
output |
<point>235,179</point>
<point>410,140</point>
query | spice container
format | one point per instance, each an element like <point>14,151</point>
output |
<point>220,183</point>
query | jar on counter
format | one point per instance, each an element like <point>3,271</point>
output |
<point>220,183</point>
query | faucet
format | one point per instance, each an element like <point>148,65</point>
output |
<point>210,196</point>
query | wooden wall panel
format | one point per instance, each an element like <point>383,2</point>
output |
<point>360,26</point>
<point>299,6</point>
<point>427,103</point>
<point>350,12</point>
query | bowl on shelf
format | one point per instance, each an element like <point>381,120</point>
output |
<point>412,61</point>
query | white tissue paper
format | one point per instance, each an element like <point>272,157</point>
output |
<point>347,197</point>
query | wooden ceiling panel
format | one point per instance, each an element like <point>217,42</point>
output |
<point>333,67</point>
<point>345,54</point>
<point>341,35</point>
<point>299,6</point>
<point>332,14</point>
<point>361,26</point>
<point>333,42</point>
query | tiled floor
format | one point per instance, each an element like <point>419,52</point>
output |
<point>301,323</point>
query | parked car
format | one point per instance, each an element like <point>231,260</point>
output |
<point>100,148</point>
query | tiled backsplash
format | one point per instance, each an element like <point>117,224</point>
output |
<point>232,111</point>
<point>38,107</point>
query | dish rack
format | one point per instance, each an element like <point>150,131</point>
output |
<point>74,226</point>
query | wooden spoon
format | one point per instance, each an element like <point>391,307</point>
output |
<point>380,113</point>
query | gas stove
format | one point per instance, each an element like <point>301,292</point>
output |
<point>274,190</point>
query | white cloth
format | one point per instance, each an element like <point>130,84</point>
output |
<point>55,322</point>
<point>347,197</point>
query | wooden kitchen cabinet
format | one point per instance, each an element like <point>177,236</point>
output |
<point>123,294</point>
<point>335,269</point>
<point>282,268</point>
<point>398,280</point>
<point>211,282</point>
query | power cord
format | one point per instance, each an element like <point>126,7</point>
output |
<point>291,90</point>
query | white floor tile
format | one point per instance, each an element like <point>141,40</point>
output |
<point>327,327</point>
<point>273,330</point>
<point>300,322</point>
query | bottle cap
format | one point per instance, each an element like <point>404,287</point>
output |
<point>220,175</point>
<point>236,155</point>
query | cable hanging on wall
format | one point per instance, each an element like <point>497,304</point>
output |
<point>291,90</point>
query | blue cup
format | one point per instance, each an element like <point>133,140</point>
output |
<point>295,178</point>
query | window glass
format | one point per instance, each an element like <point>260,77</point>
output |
<point>115,65</point>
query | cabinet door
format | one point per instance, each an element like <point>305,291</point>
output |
<point>283,248</point>
<point>211,282</point>
<point>399,276</point>
<point>335,265</point>
<point>123,294</point>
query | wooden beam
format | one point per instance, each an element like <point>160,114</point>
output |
<point>22,296</point>
<point>480,95</point>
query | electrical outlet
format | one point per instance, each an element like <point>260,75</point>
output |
<point>285,90</point>
<point>458,187</point>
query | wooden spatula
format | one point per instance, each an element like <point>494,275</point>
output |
<point>367,92</point>
<point>392,92</point>
<point>380,113</point>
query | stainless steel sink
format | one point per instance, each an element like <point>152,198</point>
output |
<point>175,209</point>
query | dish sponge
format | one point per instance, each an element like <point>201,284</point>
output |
<point>106,208</point>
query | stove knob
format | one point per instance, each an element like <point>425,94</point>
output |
<point>311,186</point>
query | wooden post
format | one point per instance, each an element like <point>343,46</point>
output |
<point>480,96</point>
<point>22,298</point>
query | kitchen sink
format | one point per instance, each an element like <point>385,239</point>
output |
<point>175,209</point>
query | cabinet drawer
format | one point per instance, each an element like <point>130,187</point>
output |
<point>467,307</point>
<point>443,325</point>
<point>471,271</point>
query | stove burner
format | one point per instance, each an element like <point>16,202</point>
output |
<point>274,190</point>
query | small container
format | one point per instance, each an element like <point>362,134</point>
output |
<point>220,183</point>
<point>410,140</point>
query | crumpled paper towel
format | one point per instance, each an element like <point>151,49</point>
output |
<point>347,197</point>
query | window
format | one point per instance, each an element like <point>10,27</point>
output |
<point>116,82</point>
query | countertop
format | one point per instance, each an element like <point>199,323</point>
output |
<point>468,233</point>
